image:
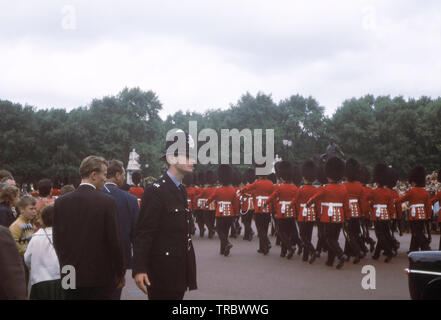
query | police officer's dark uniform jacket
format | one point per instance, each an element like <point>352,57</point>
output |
<point>163,247</point>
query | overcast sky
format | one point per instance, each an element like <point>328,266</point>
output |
<point>201,54</point>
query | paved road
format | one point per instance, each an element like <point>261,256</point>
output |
<point>245,274</point>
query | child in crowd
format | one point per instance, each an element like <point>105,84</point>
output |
<point>23,228</point>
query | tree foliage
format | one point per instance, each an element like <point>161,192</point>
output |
<point>52,143</point>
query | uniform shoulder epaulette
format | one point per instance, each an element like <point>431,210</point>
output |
<point>159,182</point>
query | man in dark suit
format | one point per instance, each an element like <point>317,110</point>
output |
<point>86,235</point>
<point>12,274</point>
<point>128,211</point>
<point>164,263</point>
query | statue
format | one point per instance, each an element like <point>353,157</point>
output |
<point>333,151</point>
<point>132,166</point>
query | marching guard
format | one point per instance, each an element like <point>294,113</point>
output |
<point>307,216</point>
<point>383,210</point>
<point>354,244</point>
<point>420,208</point>
<point>261,190</point>
<point>226,204</point>
<point>285,214</point>
<point>335,209</point>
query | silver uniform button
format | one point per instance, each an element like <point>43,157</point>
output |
<point>166,253</point>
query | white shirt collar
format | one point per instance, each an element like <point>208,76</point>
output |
<point>112,183</point>
<point>88,184</point>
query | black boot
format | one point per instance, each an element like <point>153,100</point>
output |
<point>341,262</point>
<point>290,253</point>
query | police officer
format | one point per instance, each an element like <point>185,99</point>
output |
<point>164,265</point>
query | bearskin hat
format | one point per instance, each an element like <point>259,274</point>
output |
<point>321,176</point>
<point>364,177</point>
<point>284,170</point>
<point>296,176</point>
<point>309,170</point>
<point>418,176</point>
<point>351,170</point>
<point>272,177</point>
<point>249,176</point>
<point>210,177</point>
<point>335,169</point>
<point>237,179</point>
<point>188,180</point>
<point>392,177</point>
<point>381,174</point>
<point>225,174</point>
<point>201,178</point>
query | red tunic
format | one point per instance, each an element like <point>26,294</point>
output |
<point>209,191</point>
<point>199,199</point>
<point>137,192</point>
<point>191,191</point>
<point>334,202</point>
<point>435,199</point>
<point>419,202</point>
<point>245,201</point>
<point>57,192</point>
<point>366,208</point>
<point>382,204</point>
<point>305,214</point>
<point>356,198</point>
<point>225,201</point>
<point>398,214</point>
<point>260,190</point>
<point>281,199</point>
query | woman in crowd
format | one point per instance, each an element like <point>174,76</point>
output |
<point>42,261</point>
<point>9,196</point>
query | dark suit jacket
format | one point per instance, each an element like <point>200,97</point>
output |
<point>128,211</point>
<point>86,236</point>
<point>6,216</point>
<point>12,275</point>
<point>161,245</point>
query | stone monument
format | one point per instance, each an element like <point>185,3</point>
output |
<point>132,166</point>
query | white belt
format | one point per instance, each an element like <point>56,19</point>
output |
<point>353,201</point>
<point>331,206</point>
<point>222,204</point>
<point>259,200</point>
<point>413,207</point>
<point>305,209</point>
<point>379,207</point>
<point>201,201</point>
<point>284,204</point>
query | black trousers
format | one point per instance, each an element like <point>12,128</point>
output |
<point>164,295</point>
<point>384,242</point>
<point>90,293</point>
<point>286,232</point>
<point>262,221</point>
<point>246,220</point>
<point>353,244</point>
<point>321,242</point>
<point>223,225</point>
<point>235,227</point>
<point>332,232</point>
<point>306,229</point>
<point>209,220</point>
<point>418,240</point>
<point>200,220</point>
